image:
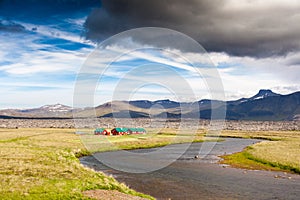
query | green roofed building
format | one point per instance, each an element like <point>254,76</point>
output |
<point>101,131</point>
<point>126,131</point>
<point>137,130</point>
<point>120,131</point>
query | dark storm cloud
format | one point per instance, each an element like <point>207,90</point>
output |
<point>256,28</point>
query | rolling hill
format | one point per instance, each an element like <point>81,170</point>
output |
<point>265,105</point>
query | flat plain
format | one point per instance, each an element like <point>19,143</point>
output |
<point>43,162</point>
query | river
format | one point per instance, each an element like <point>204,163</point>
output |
<point>191,178</point>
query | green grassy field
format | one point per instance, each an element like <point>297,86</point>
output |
<point>43,164</point>
<point>154,138</point>
<point>280,152</point>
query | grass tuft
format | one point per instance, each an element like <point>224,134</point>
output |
<point>43,164</point>
<point>281,152</point>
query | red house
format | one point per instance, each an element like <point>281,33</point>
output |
<point>101,131</point>
<point>120,131</point>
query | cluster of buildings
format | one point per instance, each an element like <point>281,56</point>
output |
<point>119,131</point>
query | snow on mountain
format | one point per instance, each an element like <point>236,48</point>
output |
<point>260,97</point>
<point>56,108</point>
<point>265,105</point>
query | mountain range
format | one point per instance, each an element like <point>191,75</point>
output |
<point>265,105</point>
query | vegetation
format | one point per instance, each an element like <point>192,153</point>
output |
<point>154,138</point>
<point>280,153</point>
<point>43,164</point>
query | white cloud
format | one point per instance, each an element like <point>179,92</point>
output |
<point>241,76</point>
<point>25,60</point>
<point>41,62</point>
<point>30,99</point>
<point>25,56</point>
<point>244,76</point>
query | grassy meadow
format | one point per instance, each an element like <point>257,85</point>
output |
<point>153,138</point>
<point>280,152</point>
<point>43,164</point>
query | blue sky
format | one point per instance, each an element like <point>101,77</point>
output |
<point>41,50</point>
<point>43,47</point>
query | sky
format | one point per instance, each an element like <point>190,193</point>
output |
<point>45,46</point>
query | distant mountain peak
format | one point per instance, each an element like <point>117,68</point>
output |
<point>265,105</point>
<point>56,108</point>
<point>263,93</point>
<point>163,101</point>
<point>266,91</point>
